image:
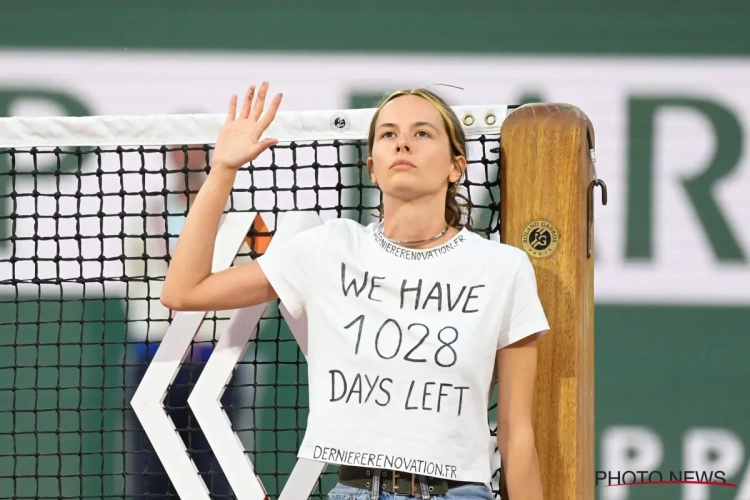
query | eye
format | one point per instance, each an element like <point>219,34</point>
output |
<point>385,134</point>
<point>423,133</point>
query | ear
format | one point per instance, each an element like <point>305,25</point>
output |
<point>371,170</point>
<point>459,167</point>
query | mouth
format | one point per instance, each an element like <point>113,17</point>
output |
<point>402,165</point>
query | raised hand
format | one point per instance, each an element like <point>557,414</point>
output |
<point>239,138</point>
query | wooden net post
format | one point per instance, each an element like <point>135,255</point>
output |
<point>546,172</point>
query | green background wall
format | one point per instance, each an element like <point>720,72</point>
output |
<point>538,26</point>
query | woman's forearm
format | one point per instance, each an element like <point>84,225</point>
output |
<point>521,465</point>
<point>193,256</point>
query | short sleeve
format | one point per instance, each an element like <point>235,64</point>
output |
<point>524,314</point>
<point>288,265</point>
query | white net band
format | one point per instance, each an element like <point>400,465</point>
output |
<point>157,130</point>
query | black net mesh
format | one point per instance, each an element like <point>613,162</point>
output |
<point>85,238</point>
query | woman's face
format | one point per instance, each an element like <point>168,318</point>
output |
<point>411,153</point>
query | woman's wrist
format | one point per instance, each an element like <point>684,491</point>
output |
<point>220,171</point>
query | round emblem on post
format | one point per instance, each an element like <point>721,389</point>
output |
<point>540,239</point>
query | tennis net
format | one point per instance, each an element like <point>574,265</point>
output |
<point>90,210</point>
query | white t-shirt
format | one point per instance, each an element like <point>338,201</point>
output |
<point>402,343</point>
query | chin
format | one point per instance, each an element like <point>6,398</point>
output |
<point>406,191</point>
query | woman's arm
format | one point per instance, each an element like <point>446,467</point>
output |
<point>189,284</point>
<point>516,369</point>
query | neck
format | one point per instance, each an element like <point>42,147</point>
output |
<point>416,220</point>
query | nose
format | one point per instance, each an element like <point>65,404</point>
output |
<point>402,145</point>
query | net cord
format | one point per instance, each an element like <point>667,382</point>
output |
<point>156,130</point>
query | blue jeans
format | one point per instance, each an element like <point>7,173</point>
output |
<point>467,492</point>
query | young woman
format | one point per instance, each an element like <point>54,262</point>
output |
<point>408,318</point>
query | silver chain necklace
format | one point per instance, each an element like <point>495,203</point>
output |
<point>415,242</point>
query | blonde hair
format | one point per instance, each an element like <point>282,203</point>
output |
<point>456,212</point>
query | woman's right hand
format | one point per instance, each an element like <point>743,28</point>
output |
<point>190,284</point>
<point>239,138</point>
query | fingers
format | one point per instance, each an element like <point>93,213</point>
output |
<point>255,111</point>
<point>267,143</point>
<point>271,113</point>
<point>232,112</point>
<point>262,146</point>
<point>247,104</point>
<point>260,102</point>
